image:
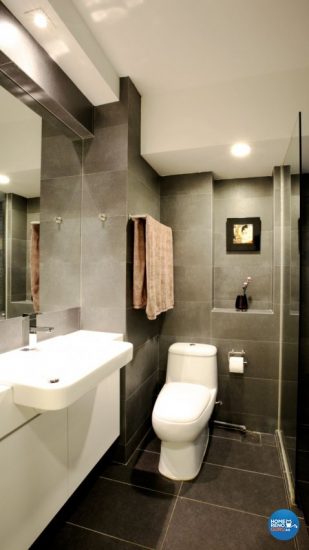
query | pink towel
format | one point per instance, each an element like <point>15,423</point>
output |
<point>153,283</point>
<point>35,266</point>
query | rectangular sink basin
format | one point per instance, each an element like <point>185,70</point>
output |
<point>62,369</point>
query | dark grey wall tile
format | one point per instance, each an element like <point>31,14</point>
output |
<point>101,318</point>
<point>61,197</point>
<point>140,404</point>
<point>187,211</point>
<point>105,192</point>
<point>59,284</point>
<point>62,322</point>
<point>13,333</point>
<point>244,325</point>
<point>139,328</point>
<point>249,262</point>
<point>243,207</point>
<point>188,319</point>
<point>60,157</point>
<point>143,364</point>
<point>193,283</point>
<point>108,150</point>
<point>142,199</point>
<point>262,357</point>
<point>104,281</point>
<point>104,240</point>
<point>187,183</point>
<point>192,247</point>
<point>244,187</point>
<point>248,395</point>
<point>254,422</point>
<point>228,283</point>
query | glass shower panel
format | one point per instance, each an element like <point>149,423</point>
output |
<point>289,303</point>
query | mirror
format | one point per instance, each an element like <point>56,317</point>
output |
<point>40,167</point>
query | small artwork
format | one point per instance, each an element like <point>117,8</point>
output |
<point>243,234</point>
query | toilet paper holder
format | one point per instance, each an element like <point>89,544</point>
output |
<point>241,353</point>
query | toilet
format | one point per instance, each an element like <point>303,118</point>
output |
<point>183,408</point>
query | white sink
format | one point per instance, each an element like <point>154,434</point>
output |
<point>62,369</point>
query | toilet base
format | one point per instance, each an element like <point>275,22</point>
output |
<point>183,461</point>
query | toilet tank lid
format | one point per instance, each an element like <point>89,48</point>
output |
<point>189,348</point>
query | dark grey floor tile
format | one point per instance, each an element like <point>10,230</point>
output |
<point>253,438</point>
<point>71,537</point>
<point>150,442</point>
<point>299,513</point>
<point>268,439</point>
<point>142,471</point>
<point>256,458</point>
<point>303,536</point>
<point>246,491</point>
<point>134,514</point>
<point>225,433</point>
<point>197,526</point>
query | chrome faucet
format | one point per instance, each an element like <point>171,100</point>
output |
<point>34,329</point>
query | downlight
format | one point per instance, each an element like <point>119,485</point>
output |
<point>240,150</point>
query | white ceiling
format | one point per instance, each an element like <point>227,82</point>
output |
<point>210,72</point>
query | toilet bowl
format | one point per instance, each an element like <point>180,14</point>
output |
<point>183,408</point>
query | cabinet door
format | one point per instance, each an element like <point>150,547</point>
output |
<point>93,425</point>
<point>33,479</point>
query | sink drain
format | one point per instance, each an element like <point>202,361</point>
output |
<point>53,380</point>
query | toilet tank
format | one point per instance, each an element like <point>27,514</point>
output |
<point>192,363</point>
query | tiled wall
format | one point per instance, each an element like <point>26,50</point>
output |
<point>141,375</point>
<point>60,246</point>
<point>117,182</point>
<point>188,204</point>
<point>15,332</point>
<point>104,243</point>
<point>243,198</point>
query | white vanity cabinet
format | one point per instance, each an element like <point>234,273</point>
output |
<point>93,425</point>
<point>33,478</point>
<point>44,457</point>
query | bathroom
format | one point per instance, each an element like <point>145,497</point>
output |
<point>92,185</point>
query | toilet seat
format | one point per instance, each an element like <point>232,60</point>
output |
<point>180,402</point>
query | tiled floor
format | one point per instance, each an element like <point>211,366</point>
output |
<point>225,507</point>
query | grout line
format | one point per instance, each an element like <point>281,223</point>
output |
<point>225,507</point>
<point>238,441</point>
<point>242,469</point>
<point>147,451</point>
<point>138,486</point>
<point>108,535</point>
<point>169,522</point>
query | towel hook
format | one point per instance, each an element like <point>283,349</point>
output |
<point>102,217</point>
<point>58,219</point>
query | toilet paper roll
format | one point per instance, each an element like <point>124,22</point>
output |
<point>236,364</point>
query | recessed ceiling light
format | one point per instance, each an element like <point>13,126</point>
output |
<point>40,19</point>
<point>240,149</point>
<point>4,179</point>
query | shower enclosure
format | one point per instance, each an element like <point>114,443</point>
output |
<point>293,420</point>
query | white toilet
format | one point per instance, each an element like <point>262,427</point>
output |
<point>183,408</point>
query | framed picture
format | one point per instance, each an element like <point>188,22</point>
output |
<point>243,234</point>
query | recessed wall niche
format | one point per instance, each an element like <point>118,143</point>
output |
<point>243,198</point>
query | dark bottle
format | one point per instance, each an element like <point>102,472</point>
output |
<point>241,303</point>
